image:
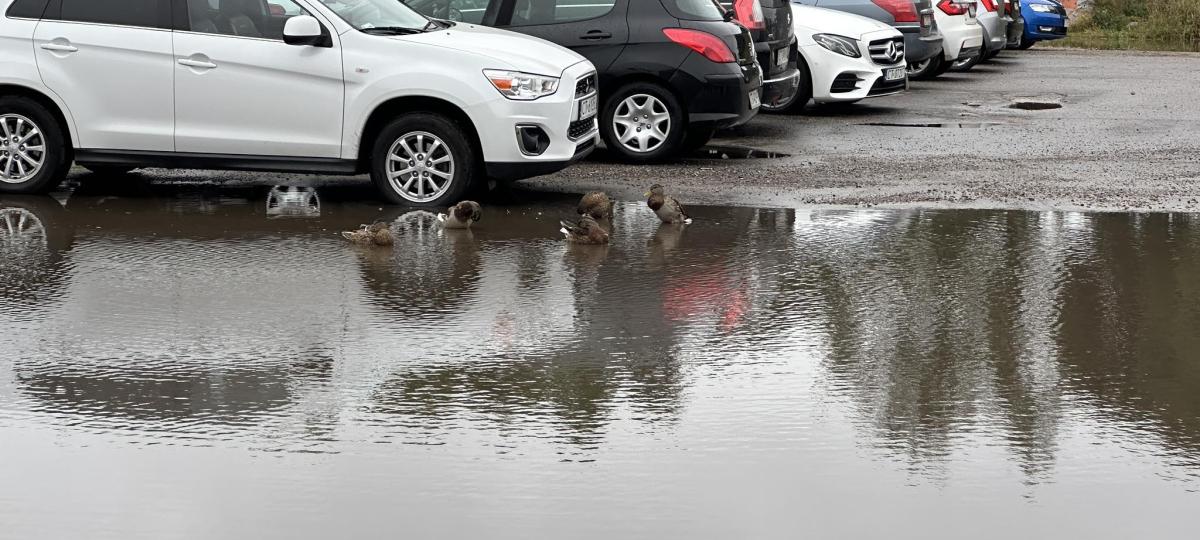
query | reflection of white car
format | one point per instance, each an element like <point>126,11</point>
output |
<point>846,57</point>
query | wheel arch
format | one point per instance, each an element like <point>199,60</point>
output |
<point>396,106</point>
<point>56,109</point>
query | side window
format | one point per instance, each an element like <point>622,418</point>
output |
<point>243,18</point>
<point>123,12</point>
<point>468,11</point>
<point>28,9</point>
<point>536,12</point>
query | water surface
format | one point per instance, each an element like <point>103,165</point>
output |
<point>191,362</point>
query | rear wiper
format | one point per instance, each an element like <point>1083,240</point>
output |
<point>393,30</point>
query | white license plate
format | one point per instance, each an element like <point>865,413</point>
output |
<point>587,108</point>
<point>893,74</point>
<point>755,100</point>
<point>781,57</point>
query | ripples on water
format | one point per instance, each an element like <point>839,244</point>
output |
<point>756,366</point>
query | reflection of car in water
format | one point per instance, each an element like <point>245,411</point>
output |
<point>34,239</point>
<point>291,201</point>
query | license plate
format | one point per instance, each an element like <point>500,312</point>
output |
<point>587,108</point>
<point>971,10</point>
<point>782,57</point>
<point>893,74</point>
<point>755,100</point>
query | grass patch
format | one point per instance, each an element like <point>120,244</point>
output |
<point>1148,25</point>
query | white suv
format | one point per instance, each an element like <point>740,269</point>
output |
<point>311,86</point>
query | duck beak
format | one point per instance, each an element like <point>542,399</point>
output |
<point>647,194</point>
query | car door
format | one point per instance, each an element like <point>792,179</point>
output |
<point>597,29</point>
<point>240,90</point>
<point>111,63</point>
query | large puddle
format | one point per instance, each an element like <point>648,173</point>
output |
<point>220,364</point>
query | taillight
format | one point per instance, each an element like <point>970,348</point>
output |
<point>750,14</point>
<point>904,11</point>
<point>950,7</point>
<point>989,5</point>
<point>702,42</point>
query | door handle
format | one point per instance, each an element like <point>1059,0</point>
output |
<point>198,64</point>
<point>596,35</point>
<point>60,47</point>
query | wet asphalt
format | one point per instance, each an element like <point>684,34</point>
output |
<point>1038,130</point>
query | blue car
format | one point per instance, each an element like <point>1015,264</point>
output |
<point>1044,20</point>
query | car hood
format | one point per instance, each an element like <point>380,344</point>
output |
<point>511,50</point>
<point>810,20</point>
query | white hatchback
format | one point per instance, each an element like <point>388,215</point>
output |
<point>428,108</point>
<point>846,57</point>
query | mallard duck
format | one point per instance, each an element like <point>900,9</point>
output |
<point>596,204</point>
<point>668,210</point>
<point>587,231</point>
<point>378,234</point>
<point>461,215</point>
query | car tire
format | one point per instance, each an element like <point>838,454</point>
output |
<point>108,170</point>
<point>803,93</point>
<point>441,165</point>
<point>965,65</point>
<point>656,101</point>
<point>695,139</point>
<point>987,57</point>
<point>1026,43</point>
<point>32,121</point>
<point>927,69</point>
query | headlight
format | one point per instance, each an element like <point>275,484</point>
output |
<point>838,44</point>
<point>1043,8</point>
<point>522,86</point>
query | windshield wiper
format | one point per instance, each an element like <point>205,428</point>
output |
<point>393,30</point>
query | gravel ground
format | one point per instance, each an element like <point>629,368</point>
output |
<point>1127,137</point>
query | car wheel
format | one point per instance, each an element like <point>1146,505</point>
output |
<point>966,64</point>
<point>1026,43</point>
<point>33,152</point>
<point>803,94</point>
<point>991,54</point>
<point>423,159</point>
<point>926,69</point>
<point>643,122</point>
<point>108,170</point>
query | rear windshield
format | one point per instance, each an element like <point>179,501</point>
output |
<point>694,10</point>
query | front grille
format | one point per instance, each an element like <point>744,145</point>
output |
<point>888,51</point>
<point>886,87</point>
<point>586,86</point>
<point>846,82</point>
<point>580,128</point>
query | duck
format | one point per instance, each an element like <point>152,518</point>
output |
<point>377,234</point>
<point>461,215</point>
<point>667,209</point>
<point>586,231</point>
<point>596,204</point>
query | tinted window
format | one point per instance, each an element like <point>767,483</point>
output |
<point>535,12</point>
<point>123,12</point>
<point>468,11</point>
<point>242,18</point>
<point>694,10</point>
<point>29,9</point>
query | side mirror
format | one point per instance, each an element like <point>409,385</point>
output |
<point>304,30</point>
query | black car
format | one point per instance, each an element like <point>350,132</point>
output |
<point>770,25</point>
<point>671,71</point>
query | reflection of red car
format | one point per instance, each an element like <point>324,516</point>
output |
<point>708,292</point>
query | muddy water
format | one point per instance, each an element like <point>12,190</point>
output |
<point>217,363</point>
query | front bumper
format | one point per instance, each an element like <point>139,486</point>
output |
<point>518,170</point>
<point>1044,26</point>
<point>918,48</point>
<point>838,78</point>
<point>717,96</point>
<point>496,121</point>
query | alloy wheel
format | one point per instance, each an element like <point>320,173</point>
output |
<point>420,166</point>
<point>916,68</point>
<point>22,149</point>
<point>642,123</point>
<point>21,231</point>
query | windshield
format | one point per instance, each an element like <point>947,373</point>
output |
<point>368,14</point>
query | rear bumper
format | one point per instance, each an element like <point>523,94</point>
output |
<point>519,170</point>
<point>918,48</point>
<point>720,98</point>
<point>780,82</point>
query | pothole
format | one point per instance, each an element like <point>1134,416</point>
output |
<point>945,125</point>
<point>1035,105</point>
<point>735,152</point>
